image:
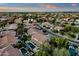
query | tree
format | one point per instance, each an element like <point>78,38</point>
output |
<point>25,38</point>
<point>67,28</point>
<point>53,47</point>
<point>60,52</point>
<point>58,42</point>
<point>62,32</point>
<point>75,29</point>
<point>44,50</point>
<point>19,44</point>
<point>71,34</point>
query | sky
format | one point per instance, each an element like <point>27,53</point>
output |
<point>47,7</point>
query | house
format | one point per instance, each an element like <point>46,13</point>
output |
<point>38,36</point>
<point>11,27</point>
<point>77,22</point>
<point>66,19</point>
<point>11,31</point>
<point>6,48</point>
<point>3,19</point>
<point>58,28</point>
<point>47,25</point>
<point>25,22</point>
<point>19,20</point>
<point>10,51</point>
<point>7,39</point>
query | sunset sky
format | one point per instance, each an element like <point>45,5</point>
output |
<point>49,7</point>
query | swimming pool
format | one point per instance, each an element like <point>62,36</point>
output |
<point>31,45</point>
<point>23,50</point>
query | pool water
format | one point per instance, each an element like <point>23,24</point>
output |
<point>23,50</point>
<point>31,45</point>
<point>72,51</point>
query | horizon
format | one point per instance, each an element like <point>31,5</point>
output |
<point>39,7</point>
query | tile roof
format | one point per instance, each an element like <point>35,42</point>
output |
<point>6,48</point>
<point>7,39</point>
<point>9,51</point>
<point>38,36</point>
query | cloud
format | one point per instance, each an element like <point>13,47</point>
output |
<point>74,4</point>
<point>19,9</point>
<point>49,6</point>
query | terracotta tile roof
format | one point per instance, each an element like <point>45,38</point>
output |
<point>7,39</point>
<point>38,38</point>
<point>9,51</point>
<point>18,20</point>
